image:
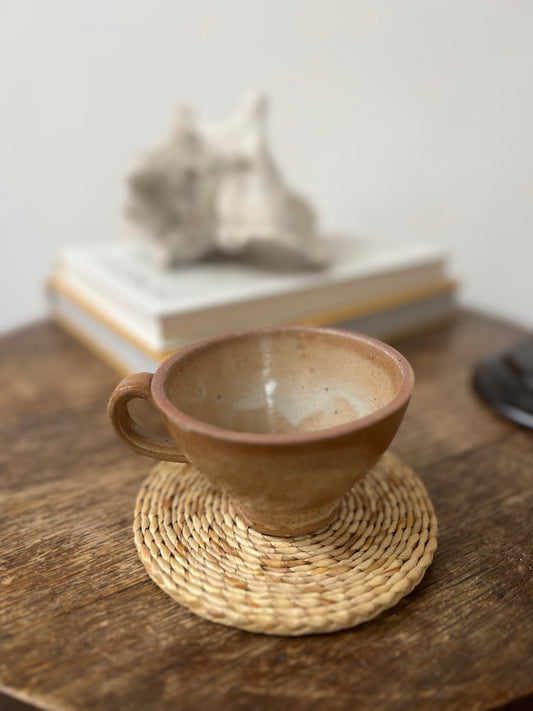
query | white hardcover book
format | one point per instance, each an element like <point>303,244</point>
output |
<point>126,355</point>
<point>164,309</point>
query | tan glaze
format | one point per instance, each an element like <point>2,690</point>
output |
<point>284,420</point>
<point>138,386</point>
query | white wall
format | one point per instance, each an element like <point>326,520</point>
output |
<point>405,120</point>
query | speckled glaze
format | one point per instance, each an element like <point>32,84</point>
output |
<point>284,420</point>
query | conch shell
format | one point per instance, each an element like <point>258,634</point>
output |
<point>216,187</point>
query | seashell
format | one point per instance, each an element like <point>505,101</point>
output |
<point>216,187</point>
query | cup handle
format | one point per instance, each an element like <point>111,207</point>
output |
<point>135,436</point>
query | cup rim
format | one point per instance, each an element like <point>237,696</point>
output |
<point>191,424</point>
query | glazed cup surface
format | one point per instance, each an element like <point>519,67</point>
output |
<point>284,420</point>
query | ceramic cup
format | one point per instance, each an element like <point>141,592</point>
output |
<point>284,420</point>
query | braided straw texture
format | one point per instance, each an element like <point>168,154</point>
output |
<point>199,551</point>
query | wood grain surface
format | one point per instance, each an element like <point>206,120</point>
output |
<point>82,626</point>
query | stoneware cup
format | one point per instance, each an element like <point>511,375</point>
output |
<point>284,420</point>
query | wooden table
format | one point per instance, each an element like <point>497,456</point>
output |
<point>83,627</point>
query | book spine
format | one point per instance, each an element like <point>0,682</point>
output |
<point>266,315</point>
<point>126,354</point>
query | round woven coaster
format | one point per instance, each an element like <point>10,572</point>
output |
<point>199,551</point>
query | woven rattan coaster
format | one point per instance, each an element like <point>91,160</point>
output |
<point>198,550</point>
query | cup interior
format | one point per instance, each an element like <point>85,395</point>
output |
<point>284,381</point>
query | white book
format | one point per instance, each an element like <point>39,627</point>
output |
<point>128,355</point>
<point>161,310</point>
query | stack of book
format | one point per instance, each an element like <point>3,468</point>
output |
<point>134,315</point>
